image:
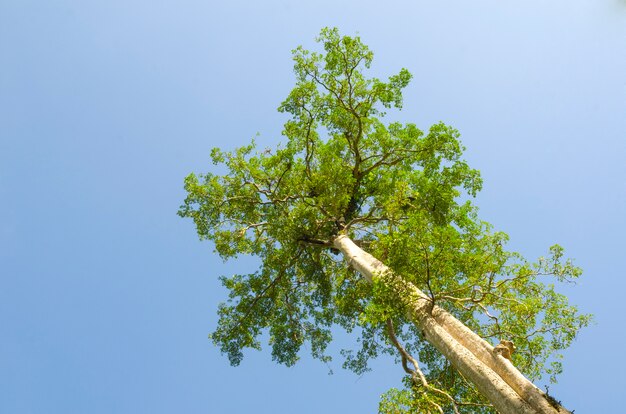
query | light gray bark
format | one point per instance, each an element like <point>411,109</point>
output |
<point>502,366</point>
<point>493,375</point>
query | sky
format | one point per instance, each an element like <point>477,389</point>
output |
<point>107,297</point>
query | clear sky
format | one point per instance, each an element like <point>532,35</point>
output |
<point>107,297</point>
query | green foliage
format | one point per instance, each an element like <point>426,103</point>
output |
<point>396,190</point>
<point>412,399</point>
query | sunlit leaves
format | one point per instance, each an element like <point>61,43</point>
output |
<point>396,190</point>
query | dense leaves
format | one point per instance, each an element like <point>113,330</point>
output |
<point>396,190</point>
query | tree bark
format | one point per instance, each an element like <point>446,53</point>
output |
<point>502,366</point>
<point>493,375</point>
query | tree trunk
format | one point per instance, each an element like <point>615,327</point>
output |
<point>493,375</point>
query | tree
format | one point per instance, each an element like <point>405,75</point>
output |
<point>370,227</point>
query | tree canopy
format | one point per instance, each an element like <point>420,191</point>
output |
<point>402,194</point>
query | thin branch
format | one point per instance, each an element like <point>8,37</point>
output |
<point>315,242</point>
<point>415,372</point>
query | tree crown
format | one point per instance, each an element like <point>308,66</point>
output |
<point>398,192</point>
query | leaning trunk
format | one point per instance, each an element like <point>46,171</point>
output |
<point>493,375</point>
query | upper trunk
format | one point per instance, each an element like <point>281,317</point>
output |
<point>493,375</point>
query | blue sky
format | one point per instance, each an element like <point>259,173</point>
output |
<point>107,297</point>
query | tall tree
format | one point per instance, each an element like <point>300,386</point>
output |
<point>369,226</point>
